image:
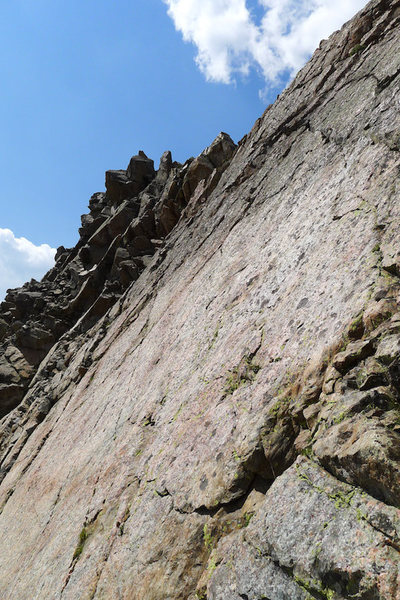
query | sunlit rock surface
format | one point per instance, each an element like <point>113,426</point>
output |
<point>202,398</point>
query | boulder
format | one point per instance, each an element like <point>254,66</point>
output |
<point>221,150</point>
<point>141,169</point>
<point>119,187</point>
<point>353,354</point>
<point>308,541</point>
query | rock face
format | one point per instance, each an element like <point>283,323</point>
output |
<point>124,228</point>
<point>202,399</point>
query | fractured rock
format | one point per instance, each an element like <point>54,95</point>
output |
<point>218,413</point>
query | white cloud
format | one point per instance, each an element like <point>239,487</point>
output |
<point>229,40</point>
<point>20,260</point>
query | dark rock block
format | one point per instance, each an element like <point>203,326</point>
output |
<point>3,329</point>
<point>354,353</point>
<point>35,337</point>
<point>10,396</point>
<point>141,169</point>
<point>119,186</point>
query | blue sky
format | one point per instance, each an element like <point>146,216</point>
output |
<point>88,83</point>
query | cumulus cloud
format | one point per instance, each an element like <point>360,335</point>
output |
<point>21,260</point>
<point>230,40</point>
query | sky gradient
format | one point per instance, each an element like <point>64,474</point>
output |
<point>88,84</point>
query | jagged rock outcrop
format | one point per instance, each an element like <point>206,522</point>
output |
<point>212,410</point>
<point>124,228</point>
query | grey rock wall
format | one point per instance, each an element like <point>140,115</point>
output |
<point>221,420</point>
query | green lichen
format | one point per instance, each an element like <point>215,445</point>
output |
<point>178,412</point>
<point>360,515</point>
<point>317,550</point>
<point>83,536</point>
<point>356,328</point>
<point>308,452</point>
<point>343,415</point>
<point>341,499</point>
<point>280,406</point>
<point>212,565</point>
<point>121,524</point>
<point>314,587</point>
<point>215,335</point>
<point>245,520</point>
<point>232,382</point>
<point>344,343</point>
<point>244,373</point>
<point>208,538</point>
<point>236,456</point>
<point>357,49</point>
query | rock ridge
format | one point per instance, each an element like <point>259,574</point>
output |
<point>126,225</point>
